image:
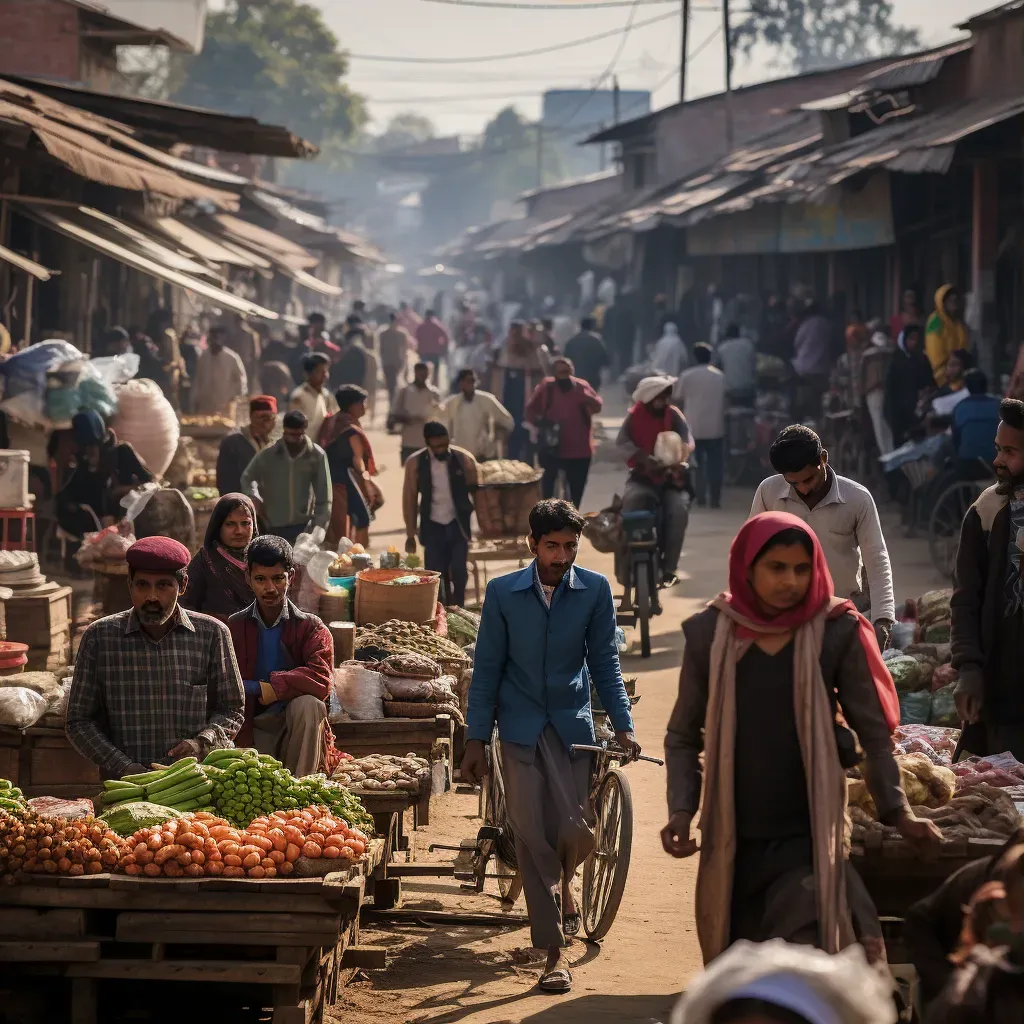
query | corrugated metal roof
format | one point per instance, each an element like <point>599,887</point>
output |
<point>993,15</point>
<point>906,74</point>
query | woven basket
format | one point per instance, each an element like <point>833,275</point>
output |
<point>334,607</point>
<point>377,601</point>
<point>503,510</point>
<point>421,709</point>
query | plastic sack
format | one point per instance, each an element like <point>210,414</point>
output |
<point>360,691</point>
<point>55,807</point>
<point>402,688</point>
<point>902,634</point>
<point>21,708</point>
<point>58,705</point>
<point>148,422</point>
<point>115,370</point>
<point>915,708</point>
<point>305,593</point>
<point>604,529</point>
<point>156,511</point>
<point>25,371</point>
<point>670,449</point>
<point>308,544</point>
<point>943,709</point>
<point>318,568</point>
<point>107,545</point>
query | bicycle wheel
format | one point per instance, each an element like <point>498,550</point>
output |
<point>944,524</point>
<point>503,849</point>
<point>643,588</point>
<point>605,870</point>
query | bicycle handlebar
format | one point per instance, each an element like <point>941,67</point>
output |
<point>613,751</point>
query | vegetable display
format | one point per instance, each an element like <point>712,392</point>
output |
<point>506,471</point>
<point>397,636</point>
<point>247,784</point>
<point>183,786</point>
<point>383,773</point>
<point>463,626</point>
<point>925,783</point>
<point>36,845</point>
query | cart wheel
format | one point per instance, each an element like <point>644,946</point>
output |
<point>644,588</point>
<point>944,525</point>
<point>503,850</point>
<point>605,870</point>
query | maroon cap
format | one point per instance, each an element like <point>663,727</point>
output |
<point>157,554</point>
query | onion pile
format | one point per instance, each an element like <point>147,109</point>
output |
<point>38,845</point>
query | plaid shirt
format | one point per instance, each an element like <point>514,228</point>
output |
<point>134,698</point>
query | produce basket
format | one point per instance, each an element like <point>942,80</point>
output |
<point>378,601</point>
<point>421,709</point>
<point>503,510</point>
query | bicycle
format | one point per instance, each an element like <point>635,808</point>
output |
<point>642,571</point>
<point>947,516</point>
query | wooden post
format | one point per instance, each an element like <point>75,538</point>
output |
<point>984,254</point>
<point>684,51</point>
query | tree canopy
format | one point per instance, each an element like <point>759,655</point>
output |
<point>276,60</point>
<point>811,34</point>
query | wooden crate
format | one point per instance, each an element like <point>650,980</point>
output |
<point>43,763</point>
<point>35,620</point>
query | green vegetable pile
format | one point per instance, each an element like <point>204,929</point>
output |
<point>183,786</point>
<point>463,626</point>
<point>247,784</point>
<point>12,799</point>
<point>341,801</point>
<point>127,817</point>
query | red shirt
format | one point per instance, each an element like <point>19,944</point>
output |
<point>573,410</point>
<point>431,338</point>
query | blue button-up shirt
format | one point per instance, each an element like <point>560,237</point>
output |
<point>534,664</point>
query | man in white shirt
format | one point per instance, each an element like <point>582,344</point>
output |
<point>415,405</point>
<point>311,397</point>
<point>220,377</point>
<point>701,396</point>
<point>437,506</point>
<point>475,418</point>
<point>737,357</point>
<point>843,515</point>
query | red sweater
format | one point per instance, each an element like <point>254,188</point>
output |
<point>573,410</point>
<point>311,647</point>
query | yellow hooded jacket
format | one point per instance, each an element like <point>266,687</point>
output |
<point>943,336</point>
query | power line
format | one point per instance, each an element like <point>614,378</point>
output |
<point>507,56</point>
<point>596,5</point>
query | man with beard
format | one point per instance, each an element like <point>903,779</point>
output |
<point>476,419</point>
<point>286,658</point>
<point>546,635</point>
<point>154,683</point>
<point>988,602</point>
<point>439,482</point>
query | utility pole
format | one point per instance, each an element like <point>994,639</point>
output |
<point>685,51</point>
<point>728,76</point>
<point>615,99</point>
<point>540,154</point>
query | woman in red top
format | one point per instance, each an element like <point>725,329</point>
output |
<point>562,407</point>
<point>910,313</point>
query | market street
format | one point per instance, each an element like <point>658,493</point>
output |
<point>488,975</point>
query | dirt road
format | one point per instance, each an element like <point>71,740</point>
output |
<point>443,975</point>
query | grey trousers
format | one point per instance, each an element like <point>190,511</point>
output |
<point>295,736</point>
<point>676,514</point>
<point>548,803</point>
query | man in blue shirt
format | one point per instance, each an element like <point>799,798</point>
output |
<point>547,632</point>
<point>975,421</point>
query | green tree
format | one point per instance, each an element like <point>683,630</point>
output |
<point>276,60</point>
<point>812,34</point>
<point>404,130</point>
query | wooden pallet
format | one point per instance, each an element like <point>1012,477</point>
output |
<point>290,935</point>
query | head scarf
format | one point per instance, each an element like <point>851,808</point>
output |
<point>224,507</point>
<point>650,387</point>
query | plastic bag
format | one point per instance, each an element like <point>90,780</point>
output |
<point>107,545</point>
<point>943,710</point>
<point>308,544</point>
<point>21,708</point>
<point>604,529</point>
<point>915,708</point>
<point>360,691</point>
<point>670,449</point>
<point>318,568</point>
<point>115,370</point>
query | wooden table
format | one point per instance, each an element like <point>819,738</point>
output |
<point>291,937</point>
<point>502,549</point>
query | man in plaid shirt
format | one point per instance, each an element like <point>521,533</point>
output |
<point>154,683</point>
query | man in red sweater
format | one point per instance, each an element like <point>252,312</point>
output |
<point>286,660</point>
<point>432,342</point>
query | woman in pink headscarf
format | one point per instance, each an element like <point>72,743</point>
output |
<point>774,670</point>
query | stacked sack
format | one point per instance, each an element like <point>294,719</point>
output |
<point>415,688</point>
<point>148,422</point>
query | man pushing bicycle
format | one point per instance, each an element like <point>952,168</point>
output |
<point>546,631</point>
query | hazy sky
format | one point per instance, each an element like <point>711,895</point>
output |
<point>461,97</point>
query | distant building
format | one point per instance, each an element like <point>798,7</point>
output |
<point>571,115</point>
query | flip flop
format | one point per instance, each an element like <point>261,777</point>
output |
<point>571,923</point>
<point>557,982</point>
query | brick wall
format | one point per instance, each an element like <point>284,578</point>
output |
<point>39,37</point>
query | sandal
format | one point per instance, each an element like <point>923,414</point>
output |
<point>557,981</point>
<point>571,924</point>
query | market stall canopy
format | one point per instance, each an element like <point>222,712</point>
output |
<point>86,145</point>
<point>277,247</point>
<point>67,225</point>
<point>204,246</point>
<point>24,263</point>
<point>314,284</point>
<point>171,124</point>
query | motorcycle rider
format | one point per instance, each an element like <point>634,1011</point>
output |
<point>652,484</point>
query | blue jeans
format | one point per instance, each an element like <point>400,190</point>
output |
<point>710,471</point>
<point>445,550</point>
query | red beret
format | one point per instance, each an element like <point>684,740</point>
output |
<point>157,554</point>
<point>263,403</point>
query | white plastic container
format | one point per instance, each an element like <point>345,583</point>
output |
<point>13,478</point>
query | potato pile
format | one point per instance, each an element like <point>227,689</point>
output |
<point>926,784</point>
<point>383,773</point>
<point>506,471</point>
<point>37,845</point>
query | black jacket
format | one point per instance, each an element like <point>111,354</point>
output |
<point>460,490</point>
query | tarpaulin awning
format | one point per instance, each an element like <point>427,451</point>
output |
<point>24,263</point>
<point>307,280</point>
<point>252,236</point>
<point>67,226</point>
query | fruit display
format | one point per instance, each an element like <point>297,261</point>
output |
<point>184,786</point>
<point>383,773</point>
<point>396,636</point>
<point>506,471</point>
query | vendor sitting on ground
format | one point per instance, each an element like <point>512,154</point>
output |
<point>240,447</point>
<point>286,658</point>
<point>154,683</point>
<point>216,575</point>
<point>105,472</point>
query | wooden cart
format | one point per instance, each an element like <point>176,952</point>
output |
<point>288,940</point>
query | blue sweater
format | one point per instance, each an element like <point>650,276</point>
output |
<point>975,421</point>
<point>534,665</point>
